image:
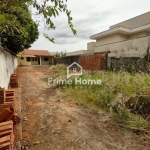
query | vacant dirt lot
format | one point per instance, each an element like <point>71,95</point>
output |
<point>52,123</point>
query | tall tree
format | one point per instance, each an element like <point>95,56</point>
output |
<point>17,29</point>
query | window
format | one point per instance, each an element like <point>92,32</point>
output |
<point>45,58</point>
<point>34,59</point>
<point>28,59</point>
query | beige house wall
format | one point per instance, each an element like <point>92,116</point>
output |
<point>111,39</point>
<point>23,61</point>
<point>46,62</point>
<point>119,37</point>
<point>91,45</point>
<point>135,22</point>
<point>33,62</point>
<point>129,48</point>
<point>81,52</point>
<point>137,35</point>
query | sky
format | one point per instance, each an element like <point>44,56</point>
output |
<point>89,17</point>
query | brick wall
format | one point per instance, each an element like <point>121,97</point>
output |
<point>93,62</point>
<point>88,62</point>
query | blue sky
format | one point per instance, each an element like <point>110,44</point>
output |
<point>89,17</point>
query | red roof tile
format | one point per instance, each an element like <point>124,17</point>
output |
<point>37,52</point>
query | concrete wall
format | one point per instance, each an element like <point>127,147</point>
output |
<point>129,63</point>
<point>135,22</point>
<point>8,64</point>
<point>111,39</point>
<point>129,48</point>
<point>137,35</point>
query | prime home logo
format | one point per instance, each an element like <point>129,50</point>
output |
<point>74,70</point>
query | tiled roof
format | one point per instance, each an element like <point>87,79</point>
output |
<point>37,52</point>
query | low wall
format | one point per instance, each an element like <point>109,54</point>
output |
<point>88,62</point>
<point>66,60</point>
<point>8,64</point>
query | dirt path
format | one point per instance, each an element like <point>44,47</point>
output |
<point>50,123</point>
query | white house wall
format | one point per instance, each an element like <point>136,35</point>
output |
<point>8,64</point>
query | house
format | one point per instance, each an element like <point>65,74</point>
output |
<point>79,52</point>
<point>35,57</point>
<point>127,35</point>
<point>123,46</point>
<point>126,44</point>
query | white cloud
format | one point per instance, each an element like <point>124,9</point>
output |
<point>89,17</point>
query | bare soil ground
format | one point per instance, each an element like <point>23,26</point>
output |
<point>52,123</point>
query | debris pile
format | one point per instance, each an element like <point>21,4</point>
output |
<point>8,117</point>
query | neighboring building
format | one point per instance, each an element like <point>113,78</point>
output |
<point>124,46</point>
<point>35,57</point>
<point>128,30</point>
<point>79,52</point>
<point>127,43</point>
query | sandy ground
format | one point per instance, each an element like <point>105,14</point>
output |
<point>52,123</point>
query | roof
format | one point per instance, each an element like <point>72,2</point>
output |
<point>134,22</point>
<point>121,30</point>
<point>37,52</point>
<point>134,25</point>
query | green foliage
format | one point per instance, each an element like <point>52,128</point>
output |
<point>17,29</point>
<point>60,54</point>
<point>52,8</point>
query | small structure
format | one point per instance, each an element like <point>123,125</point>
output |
<point>35,57</point>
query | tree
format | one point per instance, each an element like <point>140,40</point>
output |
<point>17,29</point>
<point>60,54</point>
<point>52,8</point>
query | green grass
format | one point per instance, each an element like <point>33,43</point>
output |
<point>120,91</point>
